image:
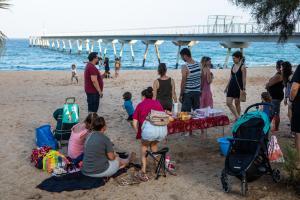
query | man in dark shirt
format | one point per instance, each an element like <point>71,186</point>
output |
<point>93,83</point>
<point>295,99</point>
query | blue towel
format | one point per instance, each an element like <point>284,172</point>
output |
<point>250,115</point>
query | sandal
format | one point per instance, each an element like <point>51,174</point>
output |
<point>142,176</point>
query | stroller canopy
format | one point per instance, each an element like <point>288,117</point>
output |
<point>250,115</point>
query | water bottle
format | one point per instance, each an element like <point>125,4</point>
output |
<point>167,161</point>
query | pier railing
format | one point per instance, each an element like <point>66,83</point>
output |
<point>234,28</point>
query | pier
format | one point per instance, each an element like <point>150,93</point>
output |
<point>221,28</point>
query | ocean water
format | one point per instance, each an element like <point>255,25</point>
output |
<point>18,56</point>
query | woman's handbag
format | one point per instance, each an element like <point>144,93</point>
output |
<point>158,118</point>
<point>243,94</point>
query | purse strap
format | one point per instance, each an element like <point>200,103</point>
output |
<point>236,77</point>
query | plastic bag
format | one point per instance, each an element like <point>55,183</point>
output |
<point>274,151</point>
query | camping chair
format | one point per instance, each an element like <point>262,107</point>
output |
<point>66,118</point>
<point>161,163</point>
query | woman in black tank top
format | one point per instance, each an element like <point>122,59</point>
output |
<point>164,88</point>
<point>236,83</point>
<point>275,87</point>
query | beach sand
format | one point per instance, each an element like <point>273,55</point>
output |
<point>28,100</point>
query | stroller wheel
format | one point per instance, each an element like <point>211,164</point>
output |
<point>276,175</point>
<point>244,186</point>
<point>225,181</point>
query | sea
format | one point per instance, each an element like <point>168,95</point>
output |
<point>18,56</point>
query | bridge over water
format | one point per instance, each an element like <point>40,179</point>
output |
<point>224,29</point>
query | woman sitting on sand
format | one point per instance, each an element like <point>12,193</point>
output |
<point>78,136</point>
<point>99,157</point>
<point>140,114</point>
<point>164,88</point>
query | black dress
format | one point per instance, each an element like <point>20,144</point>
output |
<point>233,87</point>
<point>164,94</point>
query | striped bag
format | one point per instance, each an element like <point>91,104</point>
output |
<point>54,159</point>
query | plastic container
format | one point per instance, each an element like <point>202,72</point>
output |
<point>224,145</point>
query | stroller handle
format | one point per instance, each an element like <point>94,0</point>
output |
<point>70,100</point>
<point>257,105</point>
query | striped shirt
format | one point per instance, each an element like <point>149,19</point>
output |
<point>193,81</point>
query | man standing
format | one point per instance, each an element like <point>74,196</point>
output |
<point>93,83</point>
<point>295,99</point>
<point>190,83</point>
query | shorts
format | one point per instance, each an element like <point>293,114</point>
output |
<point>295,121</point>
<point>93,101</point>
<point>153,133</point>
<point>276,106</point>
<point>190,100</point>
<point>111,170</point>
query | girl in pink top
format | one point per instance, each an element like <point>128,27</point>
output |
<point>78,136</point>
<point>206,99</point>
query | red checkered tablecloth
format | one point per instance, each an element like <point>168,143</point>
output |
<point>178,126</point>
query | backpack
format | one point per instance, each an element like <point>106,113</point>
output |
<point>44,137</point>
<point>54,159</point>
<point>158,118</point>
<point>37,156</point>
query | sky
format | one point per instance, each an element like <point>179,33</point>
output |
<point>35,17</point>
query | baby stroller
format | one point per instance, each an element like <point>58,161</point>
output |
<point>66,118</point>
<point>247,157</point>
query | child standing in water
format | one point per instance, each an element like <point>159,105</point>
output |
<point>74,73</point>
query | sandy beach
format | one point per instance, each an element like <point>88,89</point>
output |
<point>28,100</point>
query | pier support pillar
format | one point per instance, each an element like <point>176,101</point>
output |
<point>178,55</point>
<point>58,45</point>
<point>121,50</point>
<point>231,45</point>
<point>157,53</point>
<point>92,46</point>
<point>48,44</point>
<point>145,54</point>
<point>87,46</point>
<point>100,48</point>
<point>114,48</point>
<point>104,54</point>
<point>70,46</point>
<point>79,46</point>
<point>63,45</point>
<point>53,45</point>
<point>227,58</point>
<point>132,52</point>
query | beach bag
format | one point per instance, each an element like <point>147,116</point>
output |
<point>243,94</point>
<point>37,156</point>
<point>152,132</point>
<point>158,118</point>
<point>70,111</point>
<point>274,151</point>
<point>54,159</point>
<point>44,137</point>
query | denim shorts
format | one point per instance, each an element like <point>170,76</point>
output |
<point>93,101</point>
